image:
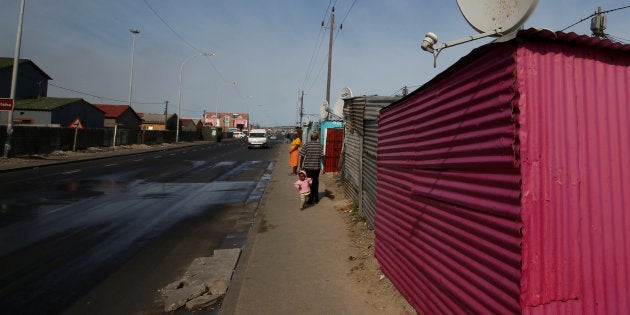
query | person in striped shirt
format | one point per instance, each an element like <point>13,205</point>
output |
<point>311,157</point>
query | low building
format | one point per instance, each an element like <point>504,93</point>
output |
<point>158,121</point>
<point>32,81</point>
<point>54,111</point>
<point>122,116</point>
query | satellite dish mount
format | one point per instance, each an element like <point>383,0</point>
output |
<point>489,17</point>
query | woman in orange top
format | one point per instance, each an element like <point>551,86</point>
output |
<point>294,152</point>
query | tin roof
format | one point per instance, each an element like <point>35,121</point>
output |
<point>531,34</point>
<point>6,62</point>
<point>45,103</point>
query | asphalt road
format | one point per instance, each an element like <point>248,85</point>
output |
<point>103,236</point>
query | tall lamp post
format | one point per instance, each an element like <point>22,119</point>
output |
<point>134,32</point>
<point>16,61</point>
<point>249,114</point>
<point>179,102</point>
<point>218,92</point>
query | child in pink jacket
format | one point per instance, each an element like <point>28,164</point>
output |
<point>303,184</point>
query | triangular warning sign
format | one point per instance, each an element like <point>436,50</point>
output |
<point>76,124</point>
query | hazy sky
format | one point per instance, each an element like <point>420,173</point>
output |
<point>266,50</point>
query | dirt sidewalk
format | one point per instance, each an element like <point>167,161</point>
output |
<point>316,261</point>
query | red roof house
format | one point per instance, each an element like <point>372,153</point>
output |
<point>122,115</point>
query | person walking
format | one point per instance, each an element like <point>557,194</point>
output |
<point>303,184</point>
<point>311,157</point>
<point>294,151</point>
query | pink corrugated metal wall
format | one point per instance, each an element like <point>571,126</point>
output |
<point>504,183</point>
<point>448,213</point>
<point>575,150</point>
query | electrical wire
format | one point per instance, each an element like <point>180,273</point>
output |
<point>617,39</point>
<point>186,42</point>
<point>592,15</point>
<point>100,97</point>
<point>316,49</point>
<point>318,46</point>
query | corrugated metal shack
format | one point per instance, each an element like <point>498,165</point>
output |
<point>504,182</point>
<point>331,132</point>
<point>359,167</point>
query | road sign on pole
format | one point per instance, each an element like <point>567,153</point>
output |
<point>6,104</point>
<point>76,124</point>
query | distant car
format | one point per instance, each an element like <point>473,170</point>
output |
<point>239,135</point>
<point>273,137</point>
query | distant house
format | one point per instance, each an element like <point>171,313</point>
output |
<point>158,121</point>
<point>187,124</point>
<point>32,81</point>
<point>53,111</point>
<point>122,115</point>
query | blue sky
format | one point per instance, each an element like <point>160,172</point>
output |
<point>266,50</point>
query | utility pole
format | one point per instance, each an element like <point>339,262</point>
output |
<point>330,45</point>
<point>301,111</point>
<point>165,114</point>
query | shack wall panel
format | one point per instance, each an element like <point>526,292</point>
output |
<point>444,155</point>
<point>576,179</point>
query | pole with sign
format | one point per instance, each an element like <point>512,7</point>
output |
<point>76,124</point>
<point>16,60</point>
<point>6,104</point>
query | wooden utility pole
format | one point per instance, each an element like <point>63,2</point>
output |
<point>301,98</point>
<point>330,45</point>
<point>165,114</point>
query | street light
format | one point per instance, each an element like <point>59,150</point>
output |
<point>179,102</point>
<point>249,114</point>
<point>134,32</point>
<point>16,61</point>
<point>218,90</point>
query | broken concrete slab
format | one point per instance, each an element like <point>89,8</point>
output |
<point>206,280</point>
<point>202,302</point>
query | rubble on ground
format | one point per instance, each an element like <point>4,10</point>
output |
<point>205,281</point>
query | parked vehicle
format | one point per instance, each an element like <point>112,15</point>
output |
<point>238,135</point>
<point>258,138</point>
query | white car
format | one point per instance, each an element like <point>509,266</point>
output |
<point>238,135</point>
<point>258,138</point>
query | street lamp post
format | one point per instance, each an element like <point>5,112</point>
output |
<point>134,32</point>
<point>16,61</point>
<point>249,114</point>
<point>179,102</point>
<point>218,92</point>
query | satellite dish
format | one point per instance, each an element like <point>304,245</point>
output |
<point>489,15</point>
<point>338,108</point>
<point>345,93</point>
<point>323,110</point>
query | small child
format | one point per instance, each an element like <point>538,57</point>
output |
<point>303,184</point>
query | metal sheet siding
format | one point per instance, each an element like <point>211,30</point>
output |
<point>575,148</point>
<point>351,167</point>
<point>362,114</point>
<point>448,191</point>
<point>369,170</point>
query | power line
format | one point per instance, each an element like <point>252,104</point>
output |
<point>170,28</point>
<point>319,45</point>
<point>99,97</point>
<point>185,41</point>
<point>592,15</point>
<point>618,39</point>
<point>316,49</point>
